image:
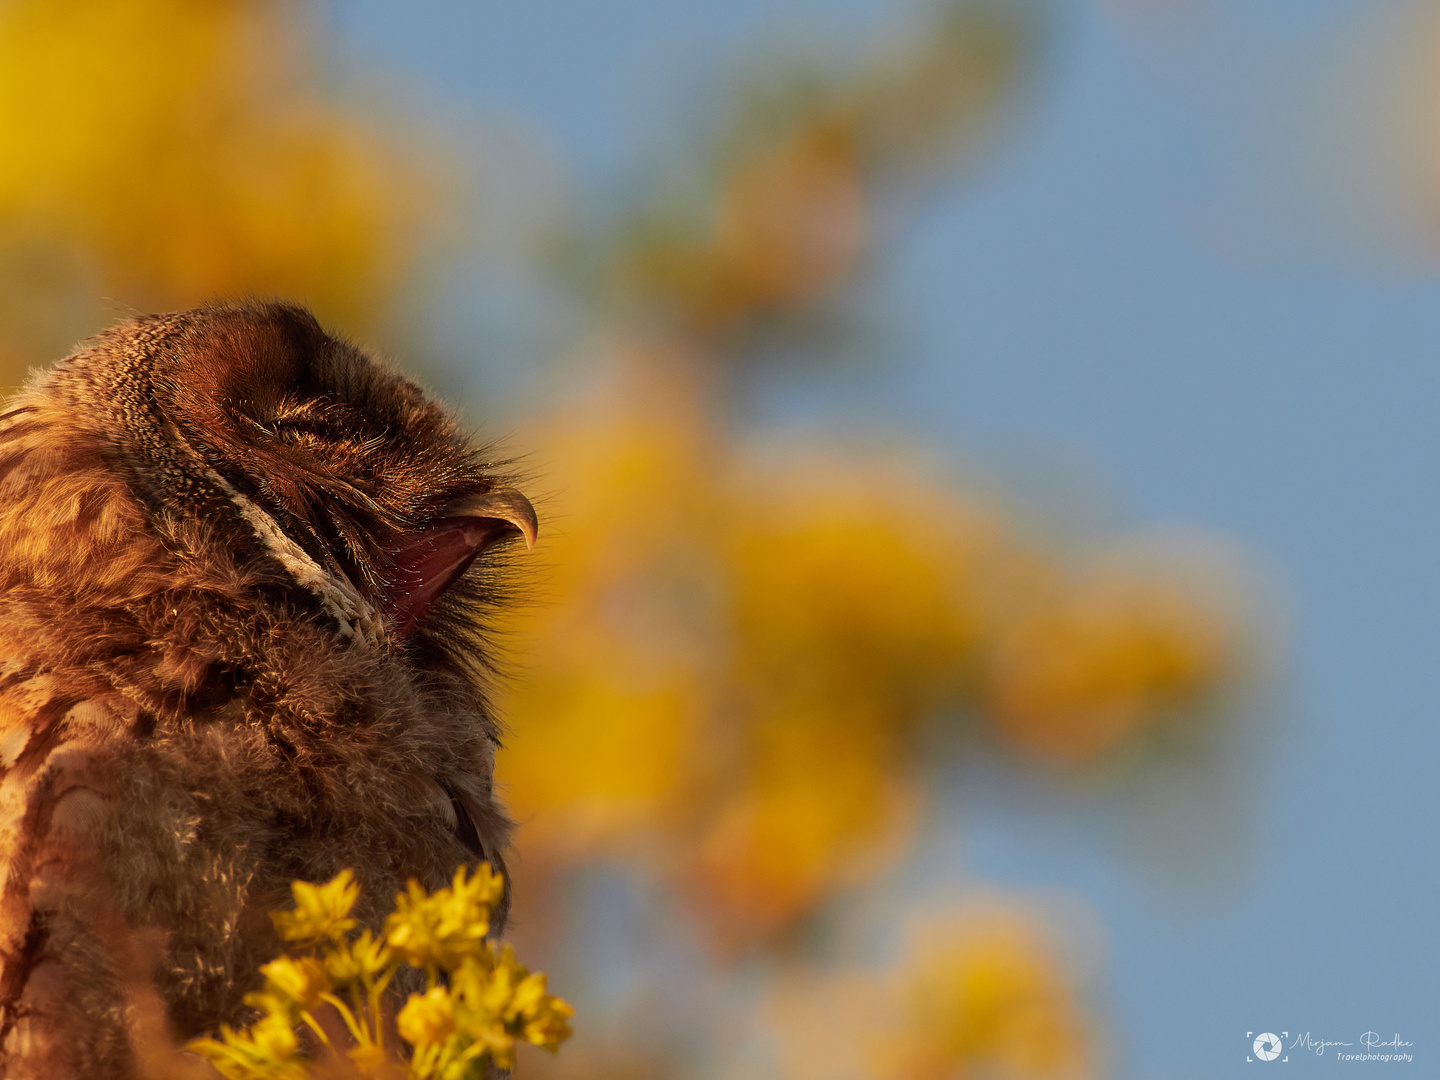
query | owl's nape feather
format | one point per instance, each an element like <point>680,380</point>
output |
<point>243,574</point>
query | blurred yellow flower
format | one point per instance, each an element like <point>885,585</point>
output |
<point>985,992</point>
<point>617,656</point>
<point>436,931</point>
<point>738,661</point>
<point>791,223</point>
<point>770,856</point>
<point>514,995</point>
<point>267,1050</point>
<point>169,152</point>
<point>1071,680</point>
<point>299,981</point>
<point>321,913</point>
<point>788,215</point>
<point>356,960</point>
<point>428,1017</point>
<point>980,993</point>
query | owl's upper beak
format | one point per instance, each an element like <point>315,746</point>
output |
<point>500,504</point>
<point>428,562</point>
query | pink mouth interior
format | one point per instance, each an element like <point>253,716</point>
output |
<point>434,560</point>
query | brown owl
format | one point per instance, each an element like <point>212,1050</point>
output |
<point>243,580</point>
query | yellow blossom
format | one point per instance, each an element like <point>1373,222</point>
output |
<point>453,1029</point>
<point>773,852</point>
<point>439,930</point>
<point>1072,679</point>
<point>363,958</point>
<point>985,992</point>
<point>981,993</point>
<point>498,985</point>
<point>300,981</point>
<point>519,999</point>
<point>743,657</point>
<point>265,1051</point>
<point>322,912</point>
<point>428,1017</point>
<point>547,1019</point>
<point>169,152</point>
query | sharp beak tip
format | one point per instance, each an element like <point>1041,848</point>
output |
<point>505,504</point>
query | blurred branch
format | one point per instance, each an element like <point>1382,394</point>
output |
<point>788,204</point>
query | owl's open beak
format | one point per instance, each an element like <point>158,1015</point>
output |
<point>500,504</point>
<point>430,561</point>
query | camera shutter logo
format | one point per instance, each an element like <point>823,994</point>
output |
<point>1267,1046</point>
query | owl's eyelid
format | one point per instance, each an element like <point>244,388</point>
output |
<point>295,421</point>
<point>330,420</point>
<point>250,421</point>
<point>301,428</point>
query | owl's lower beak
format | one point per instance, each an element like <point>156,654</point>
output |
<point>430,561</point>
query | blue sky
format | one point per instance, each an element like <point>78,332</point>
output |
<point>1076,303</point>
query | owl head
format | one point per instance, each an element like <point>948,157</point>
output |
<point>299,452</point>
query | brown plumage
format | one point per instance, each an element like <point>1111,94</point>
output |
<point>240,643</point>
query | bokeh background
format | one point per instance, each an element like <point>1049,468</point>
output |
<point>986,623</point>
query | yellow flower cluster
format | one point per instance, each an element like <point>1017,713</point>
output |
<point>985,992</point>
<point>791,222</point>
<point>167,152</point>
<point>1079,675</point>
<point>981,993</point>
<point>476,1007</point>
<point>441,931</point>
<point>322,912</point>
<point>741,662</point>
<point>482,1012</point>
